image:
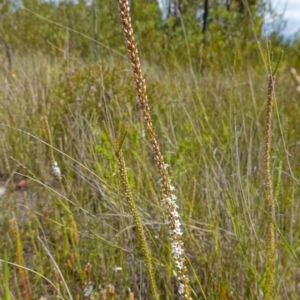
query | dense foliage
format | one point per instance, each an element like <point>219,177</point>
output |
<point>68,28</point>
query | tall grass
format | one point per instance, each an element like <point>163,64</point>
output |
<point>73,236</point>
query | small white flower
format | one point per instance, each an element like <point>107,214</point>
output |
<point>175,244</point>
<point>56,170</point>
<point>168,201</point>
<point>177,250</point>
<point>177,224</point>
<point>179,265</point>
<point>172,188</point>
<point>175,214</point>
<point>177,231</point>
<point>181,289</point>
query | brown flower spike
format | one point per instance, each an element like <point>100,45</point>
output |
<point>271,241</point>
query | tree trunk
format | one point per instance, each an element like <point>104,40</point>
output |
<point>205,16</point>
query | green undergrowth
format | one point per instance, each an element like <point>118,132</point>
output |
<point>211,129</point>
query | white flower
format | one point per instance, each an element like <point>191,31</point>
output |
<point>177,231</point>
<point>177,250</point>
<point>56,170</point>
<point>181,289</point>
<point>175,213</point>
<point>167,201</point>
<point>177,223</point>
<point>179,265</point>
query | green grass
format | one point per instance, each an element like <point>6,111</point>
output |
<point>211,130</point>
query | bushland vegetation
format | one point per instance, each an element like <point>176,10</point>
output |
<point>145,159</point>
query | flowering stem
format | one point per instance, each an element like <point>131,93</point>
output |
<point>133,210</point>
<point>172,215</point>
